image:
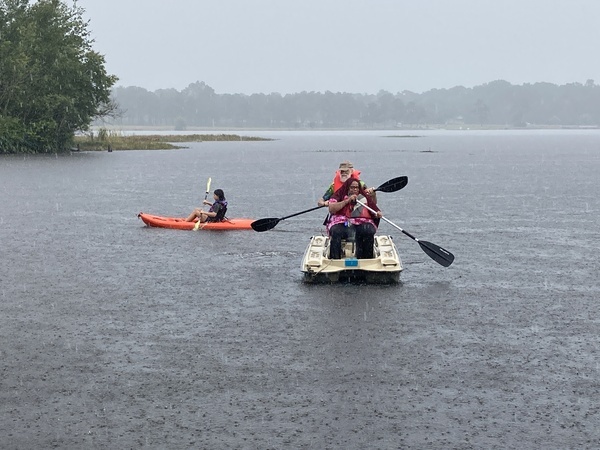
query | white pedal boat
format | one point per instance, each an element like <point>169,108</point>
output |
<point>384,268</point>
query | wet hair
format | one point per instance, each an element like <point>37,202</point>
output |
<point>343,191</point>
<point>219,193</point>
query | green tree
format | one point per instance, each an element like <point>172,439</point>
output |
<point>52,83</point>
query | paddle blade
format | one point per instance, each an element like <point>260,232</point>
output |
<point>264,224</point>
<point>207,188</point>
<point>437,253</point>
<point>393,185</point>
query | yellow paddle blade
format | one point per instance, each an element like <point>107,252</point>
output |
<point>197,226</point>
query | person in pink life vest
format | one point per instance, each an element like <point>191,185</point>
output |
<point>348,217</point>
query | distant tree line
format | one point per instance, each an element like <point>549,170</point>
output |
<point>497,103</point>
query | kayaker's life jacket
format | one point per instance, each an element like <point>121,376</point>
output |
<point>337,180</point>
<point>358,210</point>
<point>220,213</point>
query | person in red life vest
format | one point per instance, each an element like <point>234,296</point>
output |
<point>217,210</point>
<point>348,217</point>
<point>345,171</point>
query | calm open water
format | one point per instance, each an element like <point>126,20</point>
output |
<point>520,210</point>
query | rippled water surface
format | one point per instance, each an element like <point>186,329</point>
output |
<point>141,336</point>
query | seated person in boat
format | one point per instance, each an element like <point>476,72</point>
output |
<point>217,210</point>
<point>345,171</point>
<point>348,216</point>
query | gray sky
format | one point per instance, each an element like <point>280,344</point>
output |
<point>357,46</point>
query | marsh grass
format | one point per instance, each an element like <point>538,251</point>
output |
<point>113,140</point>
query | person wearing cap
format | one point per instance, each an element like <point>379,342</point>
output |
<point>344,172</point>
<point>217,210</point>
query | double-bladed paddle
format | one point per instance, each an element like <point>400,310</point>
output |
<point>435,252</point>
<point>393,185</point>
<point>197,226</point>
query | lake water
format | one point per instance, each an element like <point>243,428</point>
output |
<point>116,334</point>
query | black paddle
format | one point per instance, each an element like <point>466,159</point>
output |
<point>393,185</point>
<point>435,252</point>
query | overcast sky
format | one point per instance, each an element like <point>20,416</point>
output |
<point>357,46</point>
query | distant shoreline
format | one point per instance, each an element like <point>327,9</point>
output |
<point>105,139</point>
<point>432,127</point>
<point>113,138</point>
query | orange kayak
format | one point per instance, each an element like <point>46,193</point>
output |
<point>179,223</point>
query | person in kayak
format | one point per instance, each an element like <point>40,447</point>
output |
<point>349,218</point>
<point>345,171</point>
<point>217,210</point>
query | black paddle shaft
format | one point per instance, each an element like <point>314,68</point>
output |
<point>302,212</point>
<point>393,185</point>
<point>271,222</point>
